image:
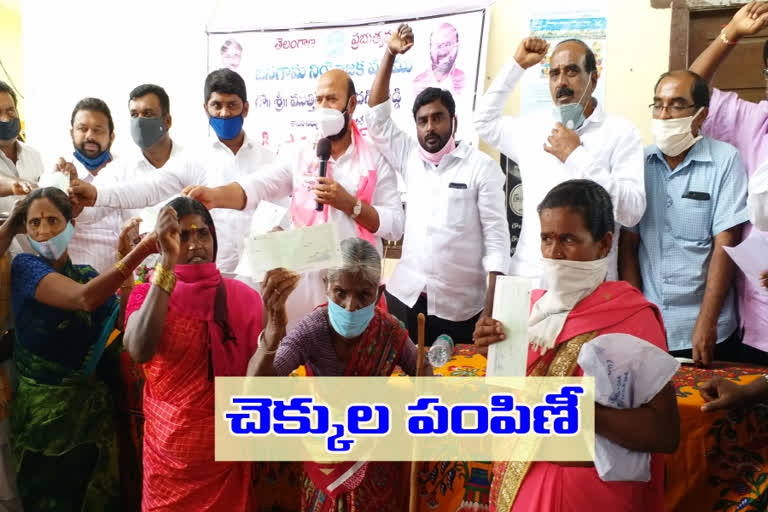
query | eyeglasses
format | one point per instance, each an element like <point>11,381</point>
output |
<point>671,109</point>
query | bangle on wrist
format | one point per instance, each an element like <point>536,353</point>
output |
<point>124,270</point>
<point>725,39</point>
<point>163,278</point>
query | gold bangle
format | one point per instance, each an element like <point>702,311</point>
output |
<point>120,265</point>
<point>164,278</point>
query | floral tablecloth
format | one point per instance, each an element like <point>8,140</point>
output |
<point>722,462</point>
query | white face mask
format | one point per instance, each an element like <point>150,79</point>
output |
<point>673,136</point>
<point>330,122</point>
<point>570,282</point>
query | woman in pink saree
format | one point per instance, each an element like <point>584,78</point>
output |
<point>186,327</point>
<point>579,305</point>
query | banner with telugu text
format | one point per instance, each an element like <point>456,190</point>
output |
<point>281,68</point>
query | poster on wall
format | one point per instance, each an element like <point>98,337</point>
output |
<point>555,25</point>
<point>281,69</point>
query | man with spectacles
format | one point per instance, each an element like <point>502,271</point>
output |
<point>696,191</point>
<point>576,139</point>
<point>745,125</point>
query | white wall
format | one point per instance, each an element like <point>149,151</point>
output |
<point>104,49</point>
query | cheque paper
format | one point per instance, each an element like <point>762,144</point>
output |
<point>750,256</point>
<point>301,250</point>
<point>57,180</point>
<point>511,304</point>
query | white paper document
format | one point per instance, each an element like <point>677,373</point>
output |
<point>57,180</point>
<point>148,218</point>
<point>301,250</point>
<point>511,304</point>
<point>266,217</point>
<point>751,256</point>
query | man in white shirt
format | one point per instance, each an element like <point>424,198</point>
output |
<point>96,229</point>
<point>229,155</point>
<point>359,191</point>
<point>20,164</point>
<point>578,140</point>
<point>456,231</point>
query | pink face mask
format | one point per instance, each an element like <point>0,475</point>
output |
<point>435,158</point>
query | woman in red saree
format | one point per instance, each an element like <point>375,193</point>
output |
<point>576,233</point>
<point>350,336</point>
<point>186,327</point>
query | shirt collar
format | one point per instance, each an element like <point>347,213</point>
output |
<point>349,151</point>
<point>247,143</point>
<point>596,117</point>
<point>700,152</point>
<point>141,159</point>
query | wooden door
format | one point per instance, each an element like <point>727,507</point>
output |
<point>742,70</point>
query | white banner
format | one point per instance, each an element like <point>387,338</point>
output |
<point>281,68</point>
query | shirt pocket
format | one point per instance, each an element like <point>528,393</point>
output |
<point>458,204</point>
<point>692,219</point>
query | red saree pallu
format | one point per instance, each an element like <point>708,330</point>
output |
<point>358,485</point>
<point>180,471</point>
<point>614,307</point>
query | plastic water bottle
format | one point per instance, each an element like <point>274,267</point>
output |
<point>440,351</point>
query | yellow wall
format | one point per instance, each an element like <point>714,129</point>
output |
<point>10,46</point>
<point>637,52</point>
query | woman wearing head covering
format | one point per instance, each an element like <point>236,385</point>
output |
<point>350,336</point>
<point>186,327</point>
<point>579,306</point>
<point>62,418</point>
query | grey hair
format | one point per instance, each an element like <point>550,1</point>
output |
<point>358,256</point>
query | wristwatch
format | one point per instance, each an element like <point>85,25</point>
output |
<point>357,209</point>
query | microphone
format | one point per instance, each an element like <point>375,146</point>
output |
<point>323,153</point>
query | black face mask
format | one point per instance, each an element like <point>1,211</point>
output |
<point>9,130</point>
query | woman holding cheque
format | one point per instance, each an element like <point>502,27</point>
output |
<point>349,336</point>
<point>580,308</point>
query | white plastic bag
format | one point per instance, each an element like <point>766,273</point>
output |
<point>628,373</point>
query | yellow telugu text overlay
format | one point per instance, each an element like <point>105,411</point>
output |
<point>458,418</point>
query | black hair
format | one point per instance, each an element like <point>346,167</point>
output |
<point>4,87</point>
<point>350,88</point>
<point>93,105</point>
<point>587,198</point>
<point>224,81</point>
<point>187,206</point>
<point>431,94</point>
<point>144,89</point>
<point>59,199</point>
<point>589,56</point>
<point>699,89</point>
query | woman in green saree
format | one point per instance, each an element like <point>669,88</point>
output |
<point>62,416</point>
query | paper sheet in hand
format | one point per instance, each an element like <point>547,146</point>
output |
<point>58,180</point>
<point>148,218</point>
<point>300,250</point>
<point>750,256</point>
<point>266,217</point>
<point>511,304</point>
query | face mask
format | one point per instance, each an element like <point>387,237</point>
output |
<point>92,163</point>
<point>569,283</point>
<point>331,123</point>
<point>226,128</point>
<point>146,131</point>
<point>53,248</point>
<point>572,114</point>
<point>437,157</point>
<point>9,130</point>
<point>673,136</point>
<point>349,324</point>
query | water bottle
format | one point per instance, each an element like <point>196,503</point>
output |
<point>440,351</point>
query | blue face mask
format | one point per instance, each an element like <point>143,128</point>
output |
<point>92,163</point>
<point>53,248</point>
<point>226,128</point>
<point>349,324</point>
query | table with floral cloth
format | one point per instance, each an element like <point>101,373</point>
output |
<point>722,462</point>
